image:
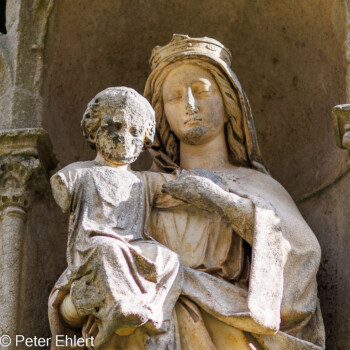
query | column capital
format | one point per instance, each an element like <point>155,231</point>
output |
<point>25,157</point>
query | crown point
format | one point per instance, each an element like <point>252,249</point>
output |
<point>179,37</point>
<point>183,45</point>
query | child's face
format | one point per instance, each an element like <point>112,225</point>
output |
<point>120,135</point>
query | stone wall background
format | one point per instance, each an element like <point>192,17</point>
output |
<point>289,56</point>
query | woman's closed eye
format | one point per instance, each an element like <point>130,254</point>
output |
<point>202,90</point>
<point>174,96</point>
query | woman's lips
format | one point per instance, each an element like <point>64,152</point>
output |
<point>193,120</point>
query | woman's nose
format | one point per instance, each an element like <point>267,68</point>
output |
<point>190,101</point>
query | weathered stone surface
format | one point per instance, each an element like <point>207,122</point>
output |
<point>196,129</point>
<point>21,63</point>
<point>234,249</point>
<point>22,178</point>
<point>126,281</point>
<point>289,57</point>
<point>133,120</point>
<point>328,212</point>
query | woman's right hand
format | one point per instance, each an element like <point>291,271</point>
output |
<point>195,185</point>
<point>205,194</point>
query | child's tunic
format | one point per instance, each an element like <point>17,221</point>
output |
<point>114,273</point>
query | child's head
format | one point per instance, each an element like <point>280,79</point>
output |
<point>119,123</point>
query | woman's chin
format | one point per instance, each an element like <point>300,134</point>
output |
<point>194,136</point>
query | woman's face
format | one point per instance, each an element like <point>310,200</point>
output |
<point>193,104</point>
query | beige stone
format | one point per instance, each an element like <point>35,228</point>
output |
<point>22,180</point>
<point>291,58</point>
<point>117,278</point>
<point>235,256</point>
<point>204,121</point>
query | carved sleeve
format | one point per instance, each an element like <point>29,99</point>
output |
<point>62,185</point>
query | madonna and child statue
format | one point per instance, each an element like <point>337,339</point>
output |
<point>203,251</point>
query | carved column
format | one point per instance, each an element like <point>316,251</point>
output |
<point>25,156</point>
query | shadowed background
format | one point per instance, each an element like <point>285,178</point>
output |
<point>289,57</point>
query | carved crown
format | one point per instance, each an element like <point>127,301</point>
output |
<point>183,45</point>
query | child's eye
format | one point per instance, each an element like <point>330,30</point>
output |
<point>118,125</point>
<point>133,131</point>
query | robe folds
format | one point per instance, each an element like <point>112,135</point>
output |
<point>115,274</point>
<point>254,291</point>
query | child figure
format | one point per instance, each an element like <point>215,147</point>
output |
<point>117,279</point>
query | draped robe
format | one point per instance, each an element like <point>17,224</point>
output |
<point>257,290</point>
<point>253,291</point>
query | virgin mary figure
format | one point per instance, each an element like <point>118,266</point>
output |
<point>250,258</point>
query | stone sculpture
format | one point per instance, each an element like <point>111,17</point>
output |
<point>117,279</point>
<point>250,259</point>
<point>245,277</point>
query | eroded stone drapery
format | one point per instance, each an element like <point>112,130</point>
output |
<point>25,155</point>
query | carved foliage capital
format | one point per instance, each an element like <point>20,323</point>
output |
<point>20,178</point>
<point>25,156</point>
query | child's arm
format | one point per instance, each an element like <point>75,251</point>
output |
<point>60,192</point>
<point>63,184</point>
